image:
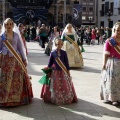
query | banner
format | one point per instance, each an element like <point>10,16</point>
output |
<point>27,13</point>
<point>77,15</point>
<point>116,4</point>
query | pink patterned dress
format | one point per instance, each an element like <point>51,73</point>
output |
<point>61,89</point>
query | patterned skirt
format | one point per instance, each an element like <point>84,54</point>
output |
<point>60,91</point>
<point>110,81</point>
<point>15,85</point>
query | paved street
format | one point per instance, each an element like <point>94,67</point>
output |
<point>87,85</point>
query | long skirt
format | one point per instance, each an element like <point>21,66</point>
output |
<point>110,81</point>
<point>15,85</point>
<point>60,91</point>
<point>48,48</point>
<point>76,60</point>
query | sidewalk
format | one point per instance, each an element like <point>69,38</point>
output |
<point>87,86</point>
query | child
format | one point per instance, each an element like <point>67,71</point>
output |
<point>93,37</point>
<point>61,89</point>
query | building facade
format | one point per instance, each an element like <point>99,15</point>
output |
<point>88,11</point>
<point>25,11</point>
<point>108,12</point>
<point>60,12</point>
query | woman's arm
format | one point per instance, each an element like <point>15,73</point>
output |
<point>21,48</point>
<point>66,61</point>
<point>106,53</point>
<point>105,58</point>
<point>67,64</point>
<point>51,59</point>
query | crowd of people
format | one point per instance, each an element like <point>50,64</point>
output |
<point>64,46</point>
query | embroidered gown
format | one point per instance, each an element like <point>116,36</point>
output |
<point>110,80</point>
<point>61,89</point>
<point>15,86</point>
<point>75,59</point>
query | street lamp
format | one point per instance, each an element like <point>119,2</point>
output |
<point>90,20</point>
<point>109,14</point>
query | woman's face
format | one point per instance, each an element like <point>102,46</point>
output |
<point>55,29</point>
<point>69,28</point>
<point>9,25</point>
<point>21,27</point>
<point>117,31</point>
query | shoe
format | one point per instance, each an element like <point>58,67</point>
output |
<point>107,102</point>
<point>115,103</point>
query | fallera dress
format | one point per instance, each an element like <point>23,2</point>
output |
<point>15,85</point>
<point>75,59</point>
<point>60,90</point>
<point>110,78</point>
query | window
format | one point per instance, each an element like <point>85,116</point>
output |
<point>102,10</point>
<point>103,6</point>
<point>119,11</point>
<point>83,17</point>
<point>67,1</point>
<point>84,8</point>
<point>90,18</point>
<point>111,6</point>
<point>102,23</point>
<point>91,9</point>
<point>76,2</point>
<point>106,7</point>
<point>110,24</point>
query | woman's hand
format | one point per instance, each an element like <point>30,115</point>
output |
<point>49,75</point>
<point>25,63</point>
<point>69,73</point>
<point>104,67</point>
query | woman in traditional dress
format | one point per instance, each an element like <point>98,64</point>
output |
<point>15,85</point>
<point>70,45</point>
<point>110,79</point>
<point>22,32</point>
<point>51,44</point>
<point>60,90</point>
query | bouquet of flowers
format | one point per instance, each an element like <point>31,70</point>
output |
<point>46,78</point>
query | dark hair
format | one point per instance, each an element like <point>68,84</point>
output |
<point>20,24</point>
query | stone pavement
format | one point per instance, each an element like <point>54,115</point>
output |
<point>87,85</point>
